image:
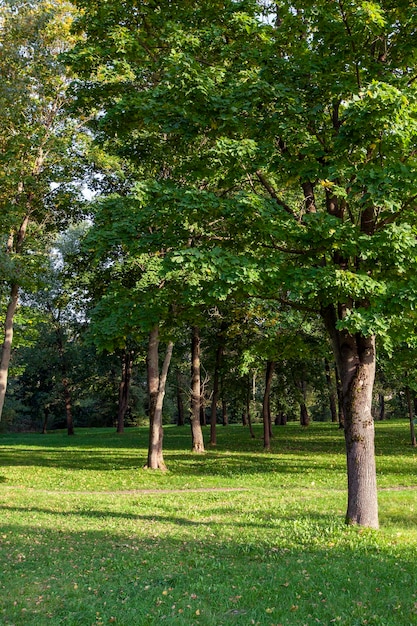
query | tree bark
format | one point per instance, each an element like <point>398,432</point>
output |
<point>355,356</point>
<point>266,413</point>
<point>340,409</point>
<point>196,431</point>
<point>124,388</point>
<point>156,388</point>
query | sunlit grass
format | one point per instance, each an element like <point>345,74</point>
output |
<point>235,536</point>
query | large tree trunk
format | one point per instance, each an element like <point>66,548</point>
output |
<point>156,388</point>
<point>355,356</point>
<point>196,432</point>
<point>124,388</point>
<point>266,413</point>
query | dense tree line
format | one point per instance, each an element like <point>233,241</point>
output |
<point>250,216</point>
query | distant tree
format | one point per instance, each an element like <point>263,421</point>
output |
<point>38,146</point>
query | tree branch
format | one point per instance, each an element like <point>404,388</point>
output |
<point>273,193</point>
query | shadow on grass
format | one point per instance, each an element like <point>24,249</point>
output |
<point>212,464</point>
<point>214,517</point>
<point>235,454</point>
<point>94,576</point>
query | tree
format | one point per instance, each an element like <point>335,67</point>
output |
<point>35,145</point>
<point>127,359</point>
<point>156,385</point>
<point>197,434</point>
<point>291,126</point>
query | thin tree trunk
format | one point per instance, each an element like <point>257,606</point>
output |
<point>6,351</point>
<point>215,396</point>
<point>355,356</point>
<point>266,414</point>
<point>247,410</point>
<point>411,416</point>
<point>124,388</point>
<point>155,457</point>
<point>281,419</point>
<point>180,401</point>
<point>65,380</point>
<point>330,387</point>
<point>45,420</point>
<point>381,406</point>
<point>196,432</point>
<point>156,388</point>
<point>7,344</point>
<point>203,418</point>
<point>244,416</point>
<point>271,434</point>
<point>68,404</point>
<point>225,415</point>
<point>304,416</point>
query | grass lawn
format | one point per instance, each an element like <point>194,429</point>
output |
<point>235,536</point>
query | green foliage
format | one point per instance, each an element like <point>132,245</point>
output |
<point>229,95</point>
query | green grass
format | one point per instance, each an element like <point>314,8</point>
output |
<point>235,536</point>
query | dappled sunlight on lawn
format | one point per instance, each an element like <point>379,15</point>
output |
<point>143,560</point>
